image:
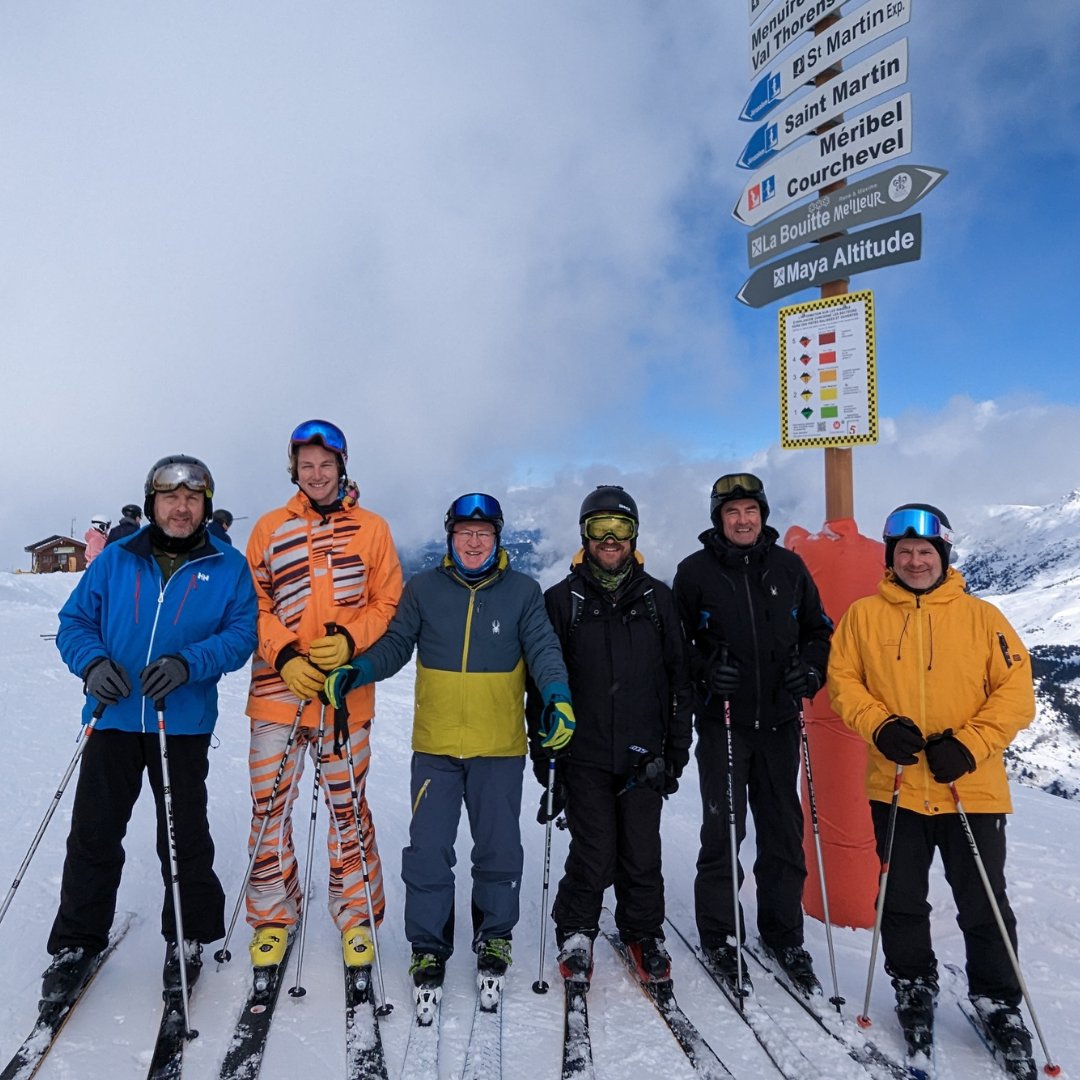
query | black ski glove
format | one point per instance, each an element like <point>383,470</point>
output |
<point>558,791</point>
<point>675,761</point>
<point>899,739</point>
<point>163,676</point>
<point>801,680</point>
<point>948,757</point>
<point>106,681</point>
<point>724,678</point>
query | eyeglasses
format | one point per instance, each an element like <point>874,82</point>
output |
<point>183,474</point>
<point>920,523</point>
<point>614,525</point>
<point>747,483</point>
<point>476,505</point>
<point>330,435</point>
<point>480,536</point>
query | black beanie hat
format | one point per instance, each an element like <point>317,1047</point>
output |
<point>944,547</point>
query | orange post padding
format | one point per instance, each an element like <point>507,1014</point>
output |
<point>845,565</point>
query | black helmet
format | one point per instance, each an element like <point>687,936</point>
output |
<point>608,499</point>
<point>130,510</point>
<point>178,470</point>
<point>223,517</point>
<point>924,521</point>
<point>733,486</point>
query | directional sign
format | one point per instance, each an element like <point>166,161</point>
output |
<point>890,244</point>
<point>794,17</point>
<point>891,191</point>
<point>883,72</point>
<point>863,26</point>
<point>872,138</point>
<point>757,7</point>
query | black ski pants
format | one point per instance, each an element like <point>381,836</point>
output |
<point>110,777</point>
<point>765,765</point>
<point>905,925</point>
<point>614,840</point>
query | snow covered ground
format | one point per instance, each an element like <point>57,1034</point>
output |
<point>111,1034</point>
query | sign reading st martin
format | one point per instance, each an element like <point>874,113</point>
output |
<point>792,18</point>
<point>860,28</point>
<point>891,191</point>
<point>883,72</point>
<point>874,137</point>
<point>890,244</point>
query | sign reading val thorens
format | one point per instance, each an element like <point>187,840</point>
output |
<point>872,138</point>
<point>853,32</point>
<point>791,19</point>
<point>884,245</point>
<point>891,191</point>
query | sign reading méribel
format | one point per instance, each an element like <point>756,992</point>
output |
<point>852,32</point>
<point>872,138</point>
<point>793,18</point>
<point>885,71</point>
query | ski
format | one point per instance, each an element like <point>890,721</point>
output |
<point>422,1049</point>
<point>244,1057</point>
<point>577,1062</point>
<point>167,1062</point>
<point>51,1019</point>
<point>483,1058</point>
<point>365,1058</point>
<point>660,992</point>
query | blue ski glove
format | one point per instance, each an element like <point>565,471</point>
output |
<point>557,722</point>
<point>343,679</point>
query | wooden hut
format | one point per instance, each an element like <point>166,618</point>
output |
<point>63,553</point>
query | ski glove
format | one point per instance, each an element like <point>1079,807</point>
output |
<point>948,757</point>
<point>333,651</point>
<point>899,739</point>
<point>303,680</point>
<point>343,679</point>
<point>541,769</point>
<point>675,761</point>
<point>106,681</point>
<point>163,676</point>
<point>724,678</point>
<point>557,722</point>
<point>801,680</point>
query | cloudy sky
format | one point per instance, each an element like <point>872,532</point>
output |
<point>493,241</point>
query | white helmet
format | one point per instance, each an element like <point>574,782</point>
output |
<point>100,521</point>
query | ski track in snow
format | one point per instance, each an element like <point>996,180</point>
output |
<point>111,1034</point>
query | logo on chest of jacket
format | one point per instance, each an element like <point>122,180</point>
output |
<point>202,577</point>
<point>495,627</point>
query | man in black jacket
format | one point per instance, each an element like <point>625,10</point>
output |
<point>759,644</point>
<point>627,667</point>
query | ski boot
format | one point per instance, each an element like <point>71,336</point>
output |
<point>650,958</point>
<point>575,957</point>
<point>724,961</point>
<point>915,1000</point>
<point>170,973</point>
<point>267,950</point>
<point>492,960</point>
<point>1005,1029</point>
<point>62,980</point>
<point>796,964</point>
<point>428,971</point>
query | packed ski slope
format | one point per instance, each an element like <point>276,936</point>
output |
<point>111,1034</point>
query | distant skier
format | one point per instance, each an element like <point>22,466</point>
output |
<point>219,526</point>
<point>95,537</point>
<point>130,522</point>
<point>627,665</point>
<point>759,645</point>
<point>938,682</point>
<point>476,625</point>
<point>166,608</point>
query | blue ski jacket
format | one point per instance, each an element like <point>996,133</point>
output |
<point>124,610</point>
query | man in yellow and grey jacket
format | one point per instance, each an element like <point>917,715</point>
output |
<point>477,626</point>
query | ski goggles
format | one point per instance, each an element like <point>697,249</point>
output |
<point>921,523</point>
<point>320,431</point>
<point>736,483</point>
<point>476,505</point>
<point>614,525</point>
<point>186,474</point>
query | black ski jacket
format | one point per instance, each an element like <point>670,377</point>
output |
<point>627,664</point>
<point>762,604</point>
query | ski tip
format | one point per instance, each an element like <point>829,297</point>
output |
<point>864,1021</point>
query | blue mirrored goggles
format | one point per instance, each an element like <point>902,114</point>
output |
<point>920,523</point>
<point>476,505</point>
<point>183,474</point>
<point>320,431</point>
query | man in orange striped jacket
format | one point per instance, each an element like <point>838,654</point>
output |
<point>328,581</point>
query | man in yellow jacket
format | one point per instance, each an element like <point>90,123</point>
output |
<point>938,683</point>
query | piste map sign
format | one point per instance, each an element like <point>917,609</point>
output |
<point>863,26</point>
<point>891,191</point>
<point>872,138</point>
<point>890,244</point>
<point>828,374</point>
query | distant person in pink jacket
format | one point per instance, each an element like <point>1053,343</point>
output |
<point>95,536</point>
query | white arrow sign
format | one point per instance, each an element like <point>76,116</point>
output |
<point>757,7</point>
<point>860,28</point>
<point>794,17</point>
<point>874,137</point>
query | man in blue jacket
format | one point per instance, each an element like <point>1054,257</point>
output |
<point>163,613</point>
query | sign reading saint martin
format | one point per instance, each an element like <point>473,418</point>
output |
<point>792,19</point>
<point>863,26</point>
<point>872,138</point>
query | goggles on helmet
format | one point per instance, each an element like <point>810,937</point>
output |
<point>187,474</point>
<point>476,505</point>
<point>614,525</point>
<point>921,523</point>
<point>738,483</point>
<point>320,431</point>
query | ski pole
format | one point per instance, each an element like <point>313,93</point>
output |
<point>836,999</point>
<point>170,821</point>
<point>540,986</point>
<point>1049,1068</point>
<point>386,1007</point>
<point>297,990</point>
<point>36,842</point>
<point>223,956</point>
<point>863,1019</point>
<point>740,990</point>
